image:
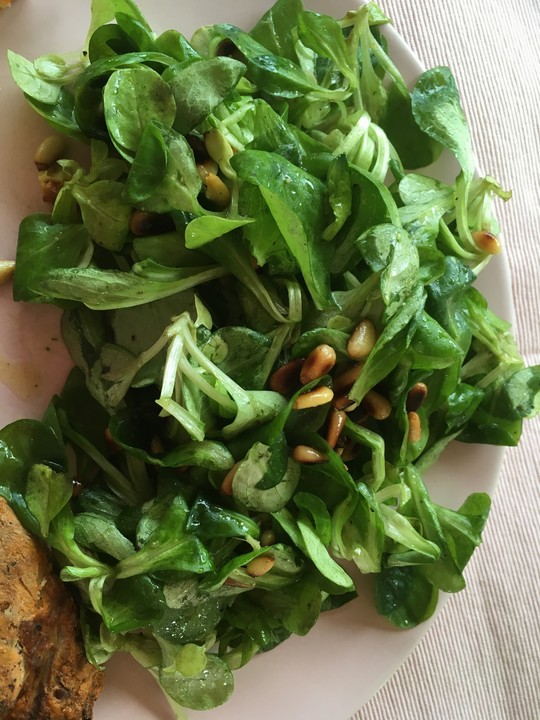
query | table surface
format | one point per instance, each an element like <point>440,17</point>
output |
<point>480,660</point>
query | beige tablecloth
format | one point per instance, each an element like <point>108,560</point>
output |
<point>480,660</point>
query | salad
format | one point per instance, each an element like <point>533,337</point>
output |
<point>269,303</point>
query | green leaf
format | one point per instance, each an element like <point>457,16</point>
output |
<point>250,473</point>
<point>211,521</point>
<point>391,344</point>
<point>339,195</point>
<point>103,11</point>
<point>211,688</point>
<point>241,354</point>
<point>46,494</point>
<point>295,199</point>
<point>24,444</point>
<point>31,81</point>
<point>404,596</point>
<point>42,246</point>
<point>324,35</point>
<point>165,158</point>
<point>200,87</point>
<point>99,533</point>
<point>132,98</point>
<point>437,110</point>
<point>112,289</point>
<point>204,229</point>
<point>104,213</point>
<point>279,76</point>
<point>416,149</point>
<point>168,546</point>
<point>319,555</point>
<point>132,604</point>
<point>274,28</point>
<point>372,204</point>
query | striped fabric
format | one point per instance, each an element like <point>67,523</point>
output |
<point>481,658</point>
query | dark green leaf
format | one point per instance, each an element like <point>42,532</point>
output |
<point>404,596</point>
<point>200,87</point>
<point>132,604</point>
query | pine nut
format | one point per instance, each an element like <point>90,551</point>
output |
<point>377,405</point>
<point>342,402</point>
<point>314,398</point>
<point>416,396</point>
<point>319,362</point>
<point>350,451</point>
<point>267,538</point>
<point>308,455</point>
<point>216,191</point>
<point>49,151</point>
<point>226,485</point>
<point>51,181</point>
<point>260,566</point>
<point>415,427</point>
<point>336,423</point>
<point>346,380</point>
<point>286,378</point>
<point>206,168</point>
<point>76,488</point>
<point>7,269</point>
<point>487,242</point>
<point>362,340</point>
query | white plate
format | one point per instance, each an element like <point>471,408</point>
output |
<point>351,652</point>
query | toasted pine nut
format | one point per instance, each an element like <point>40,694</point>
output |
<point>7,268</point>
<point>336,423</point>
<point>51,182</point>
<point>206,168</point>
<point>415,427</point>
<point>349,451</point>
<point>267,538</point>
<point>346,380</point>
<point>260,566</point>
<point>49,151</point>
<point>319,362</point>
<point>314,398</point>
<point>377,405</point>
<point>308,455</point>
<point>416,396</point>
<point>487,242</point>
<point>76,487</point>
<point>216,191</point>
<point>226,485</point>
<point>286,378</point>
<point>342,402</point>
<point>362,340</point>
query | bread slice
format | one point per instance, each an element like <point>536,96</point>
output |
<point>44,673</point>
